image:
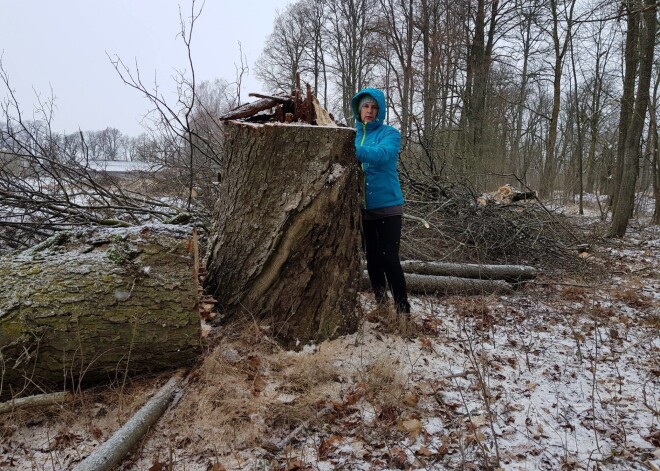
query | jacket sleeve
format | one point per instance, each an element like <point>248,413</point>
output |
<point>385,151</point>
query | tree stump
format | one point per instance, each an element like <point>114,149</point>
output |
<point>94,306</point>
<point>285,248</point>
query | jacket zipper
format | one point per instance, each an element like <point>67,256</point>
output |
<point>364,172</point>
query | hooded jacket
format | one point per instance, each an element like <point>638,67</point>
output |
<point>377,147</point>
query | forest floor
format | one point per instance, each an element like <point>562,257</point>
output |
<point>563,374</point>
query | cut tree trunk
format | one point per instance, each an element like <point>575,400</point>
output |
<point>447,285</point>
<point>285,249</point>
<point>511,273</point>
<point>97,305</point>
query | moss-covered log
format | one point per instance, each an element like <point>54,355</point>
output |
<point>96,305</point>
<point>286,246</point>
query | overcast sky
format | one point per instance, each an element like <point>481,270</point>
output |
<point>62,45</point>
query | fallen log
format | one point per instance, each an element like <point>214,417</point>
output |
<point>112,452</point>
<point>96,305</point>
<point>40,400</point>
<point>285,248</point>
<point>510,273</point>
<point>447,285</point>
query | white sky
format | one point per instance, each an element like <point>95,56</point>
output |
<point>62,45</point>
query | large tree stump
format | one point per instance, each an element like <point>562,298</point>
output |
<point>94,306</point>
<point>286,244</point>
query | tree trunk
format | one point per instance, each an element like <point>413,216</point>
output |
<point>286,242</point>
<point>625,200</point>
<point>97,305</point>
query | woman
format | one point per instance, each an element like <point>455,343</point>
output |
<point>377,148</point>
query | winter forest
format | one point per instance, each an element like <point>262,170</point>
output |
<point>529,142</point>
<point>557,96</point>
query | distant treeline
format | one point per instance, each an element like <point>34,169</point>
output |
<point>106,144</point>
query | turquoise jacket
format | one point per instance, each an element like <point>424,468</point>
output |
<point>377,147</point>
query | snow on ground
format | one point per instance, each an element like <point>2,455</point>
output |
<point>563,374</point>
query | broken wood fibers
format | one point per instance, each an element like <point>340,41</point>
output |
<point>287,109</point>
<point>285,250</point>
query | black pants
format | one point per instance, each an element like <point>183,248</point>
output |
<point>381,239</point>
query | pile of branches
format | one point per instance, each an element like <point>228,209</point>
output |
<point>41,195</point>
<point>463,229</point>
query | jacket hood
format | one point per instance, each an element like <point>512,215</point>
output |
<point>377,95</point>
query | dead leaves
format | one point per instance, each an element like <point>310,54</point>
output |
<point>412,427</point>
<point>65,439</point>
<point>328,445</point>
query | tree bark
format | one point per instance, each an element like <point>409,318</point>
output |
<point>97,305</point>
<point>511,273</point>
<point>286,243</point>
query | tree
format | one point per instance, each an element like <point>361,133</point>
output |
<point>640,46</point>
<point>396,27</point>
<point>47,186</point>
<point>287,50</point>
<point>560,11</point>
<point>94,305</point>
<point>479,57</point>
<point>528,36</point>
<point>349,32</point>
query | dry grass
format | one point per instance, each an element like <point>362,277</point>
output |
<point>391,322</point>
<point>383,384</point>
<point>248,390</point>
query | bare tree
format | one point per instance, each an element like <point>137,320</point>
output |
<point>561,12</point>
<point>396,27</point>
<point>45,187</point>
<point>287,49</point>
<point>479,59</point>
<point>47,184</point>
<point>528,36</point>
<point>349,32</point>
<point>640,46</point>
<point>185,149</point>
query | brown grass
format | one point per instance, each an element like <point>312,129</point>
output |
<point>383,383</point>
<point>248,390</point>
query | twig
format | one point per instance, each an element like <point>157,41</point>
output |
<point>286,440</point>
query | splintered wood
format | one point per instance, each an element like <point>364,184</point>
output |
<point>294,108</point>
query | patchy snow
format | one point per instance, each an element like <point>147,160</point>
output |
<point>336,172</point>
<point>562,374</point>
